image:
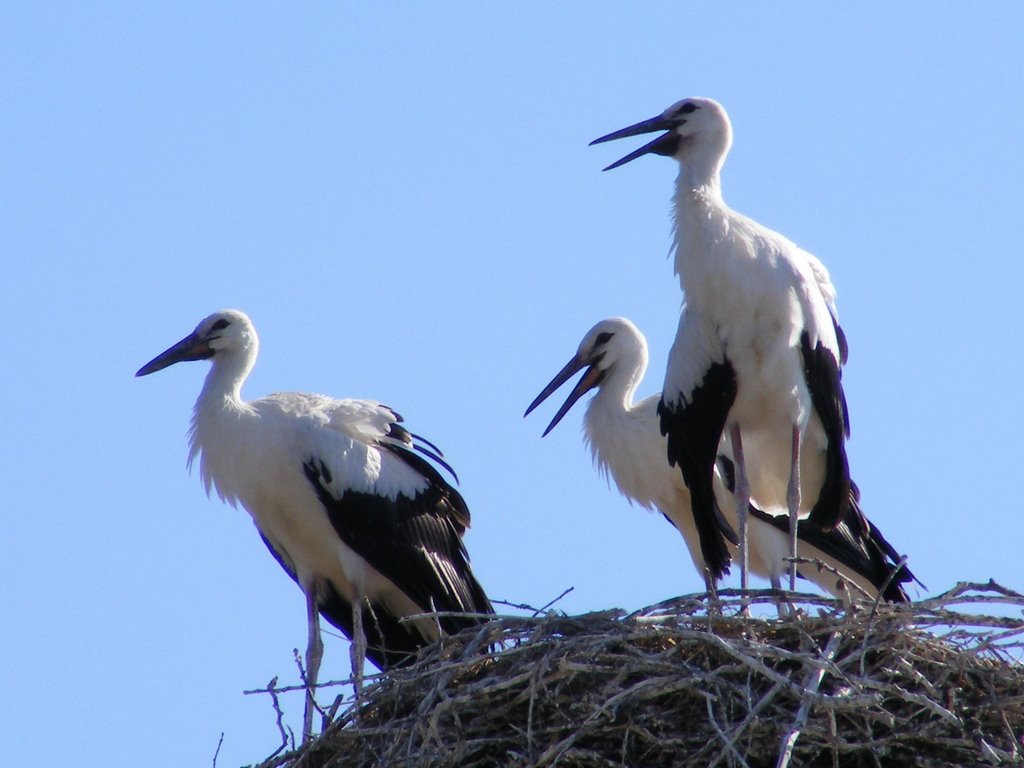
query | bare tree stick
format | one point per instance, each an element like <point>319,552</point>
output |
<point>217,751</point>
<point>811,692</point>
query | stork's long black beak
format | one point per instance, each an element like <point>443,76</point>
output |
<point>192,347</point>
<point>590,379</point>
<point>666,144</point>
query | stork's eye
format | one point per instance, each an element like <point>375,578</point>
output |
<point>604,338</point>
<point>687,108</point>
<point>220,325</point>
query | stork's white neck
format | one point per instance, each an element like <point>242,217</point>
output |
<point>701,172</point>
<point>614,398</point>
<point>620,433</point>
<point>224,382</point>
<point>216,415</point>
<point>699,216</point>
<point>620,384</point>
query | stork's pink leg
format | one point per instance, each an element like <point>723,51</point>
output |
<point>358,647</point>
<point>314,652</point>
<point>742,496</point>
<point>793,499</point>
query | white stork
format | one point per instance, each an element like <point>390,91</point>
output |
<point>366,526</point>
<point>626,442</point>
<point>758,353</point>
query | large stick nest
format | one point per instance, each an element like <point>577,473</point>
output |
<point>937,682</point>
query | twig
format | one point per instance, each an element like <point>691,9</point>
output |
<point>271,689</point>
<point>217,751</point>
<point>530,608</point>
<point>811,692</point>
<point>727,743</point>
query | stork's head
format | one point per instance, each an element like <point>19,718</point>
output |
<point>614,352</point>
<point>224,334</point>
<point>694,129</point>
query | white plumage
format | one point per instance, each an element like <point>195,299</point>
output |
<point>342,496</point>
<point>758,351</point>
<point>626,442</point>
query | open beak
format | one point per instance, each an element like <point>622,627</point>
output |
<point>590,379</point>
<point>192,347</point>
<point>666,144</point>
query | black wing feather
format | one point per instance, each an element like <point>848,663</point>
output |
<point>399,537</point>
<point>694,429</point>
<point>822,374</point>
<point>844,347</point>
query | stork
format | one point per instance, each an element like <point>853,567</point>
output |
<point>757,357</point>
<point>626,443</point>
<point>343,497</point>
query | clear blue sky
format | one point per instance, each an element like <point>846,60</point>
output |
<point>404,201</point>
